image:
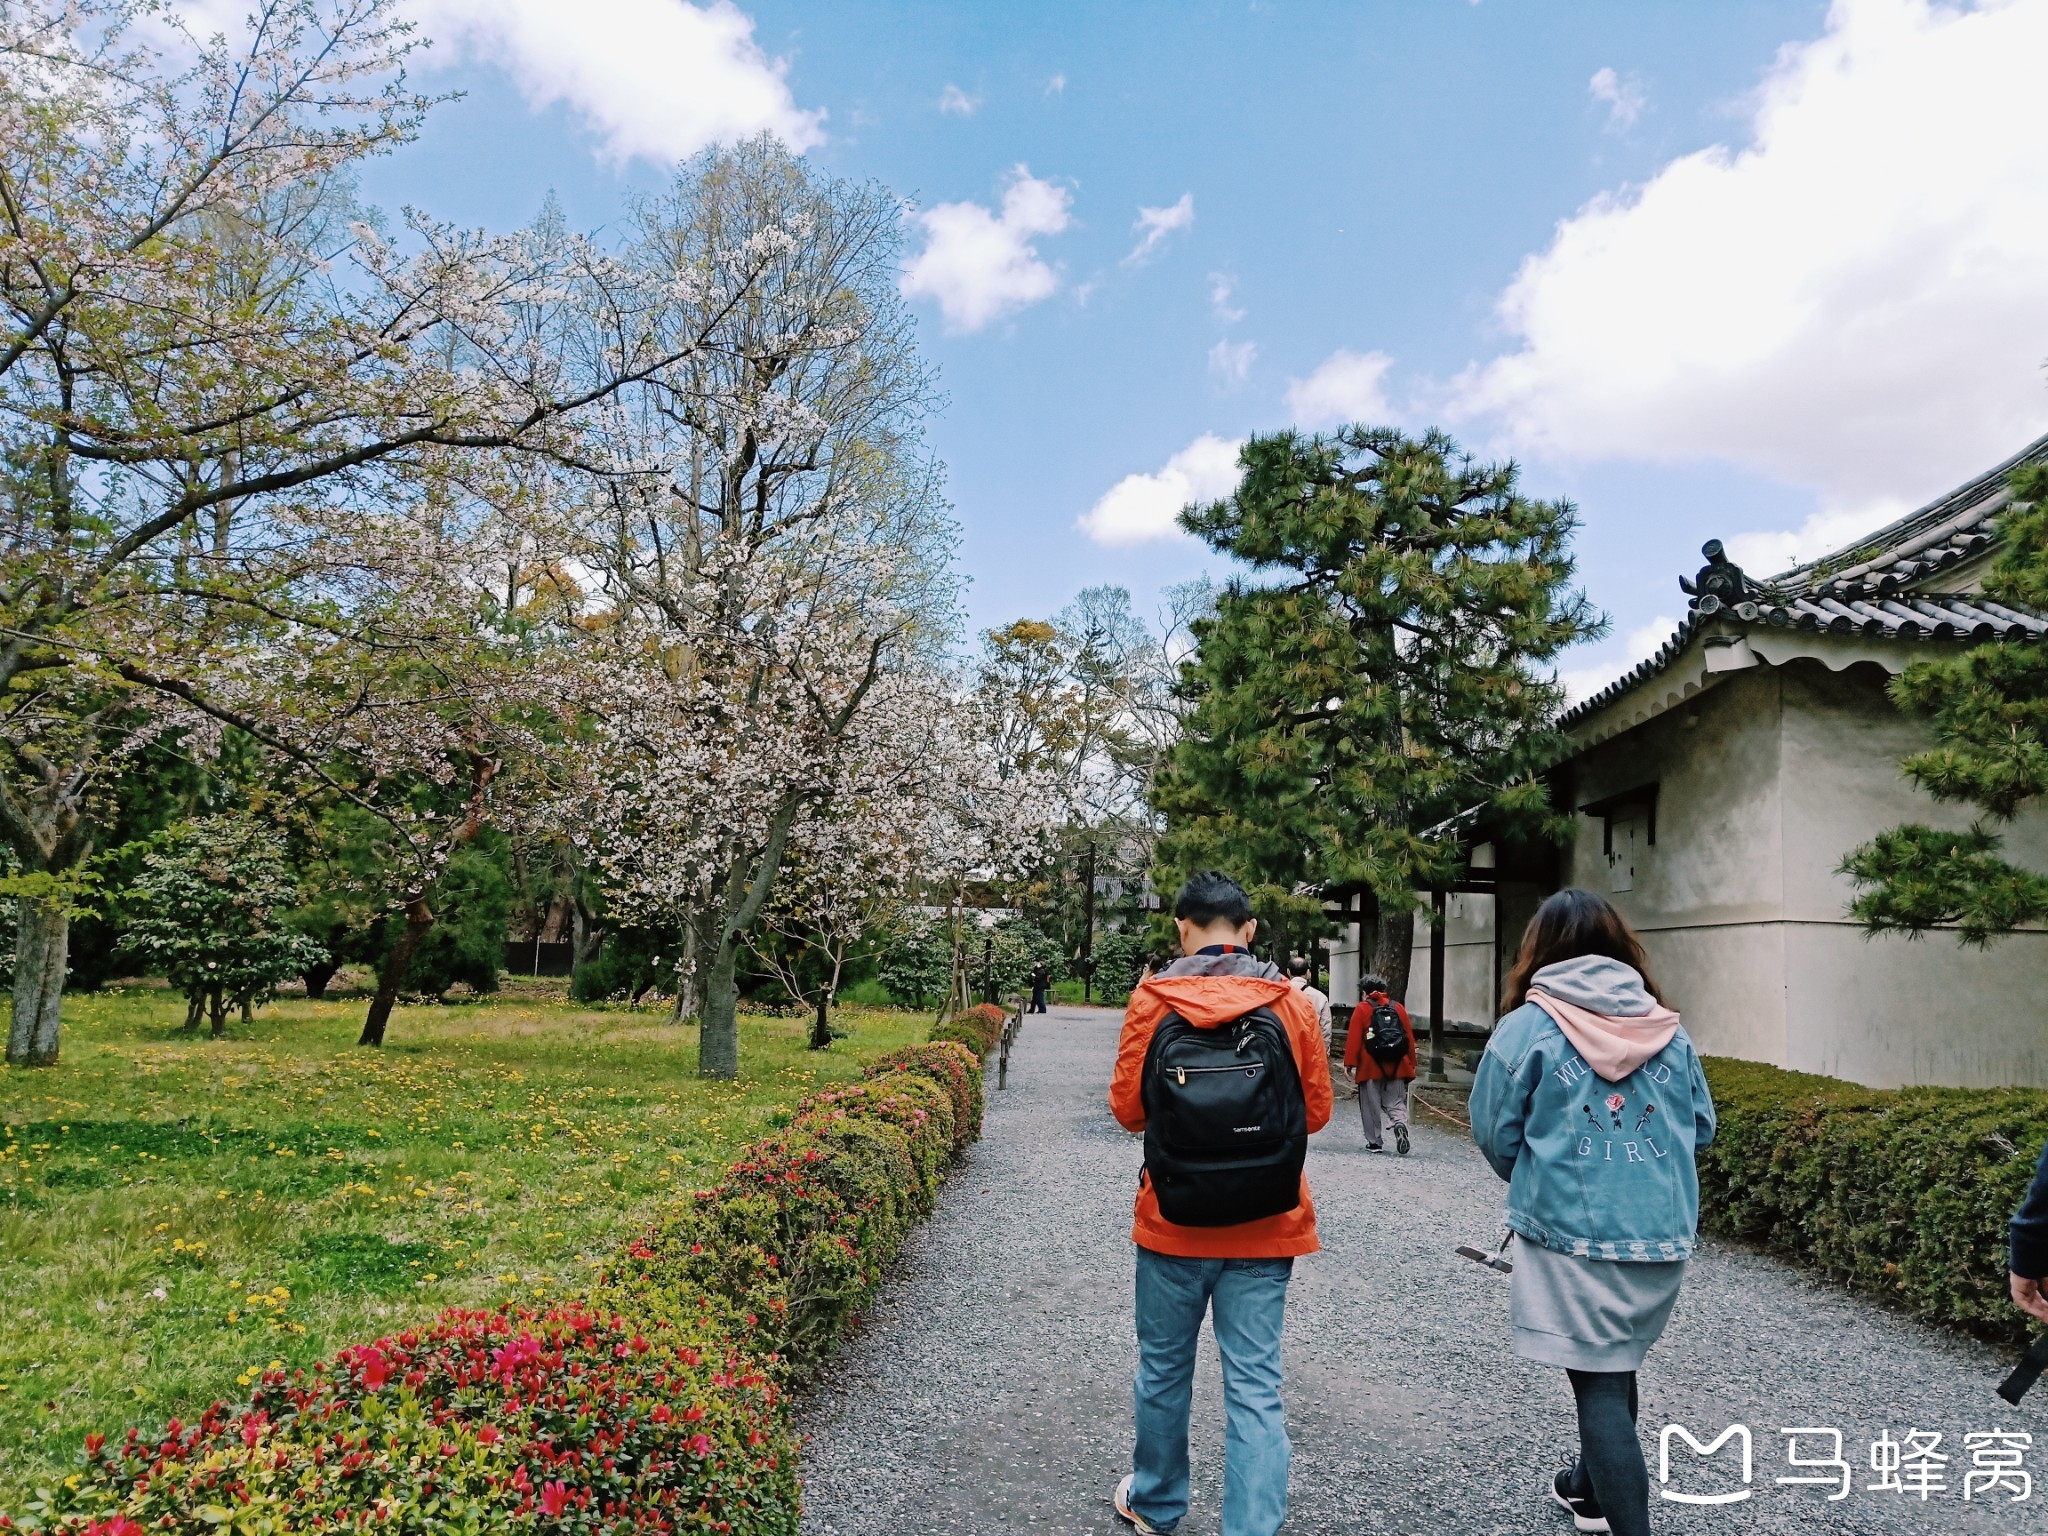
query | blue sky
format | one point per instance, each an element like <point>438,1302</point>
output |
<point>1758,269</point>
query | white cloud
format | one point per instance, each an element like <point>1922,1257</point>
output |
<point>1230,362</point>
<point>657,79</point>
<point>1056,86</point>
<point>1157,223</point>
<point>1640,644</point>
<point>1767,552</point>
<point>1624,98</point>
<point>980,265</point>
<point>1140,508</point>
<point>1222,287</point>
<point>1345,387</point>
<point>957,102</point>
<point>1857,303</point>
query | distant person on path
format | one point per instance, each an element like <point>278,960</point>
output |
<point>1222,1067</point>
<point>1297,977</point>
<point>1041,979</point>
<point>1590,1102</point>
<point>1379,1053</point>
<point>2029,1245</point>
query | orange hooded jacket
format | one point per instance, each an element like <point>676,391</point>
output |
<point>1207,1002</point>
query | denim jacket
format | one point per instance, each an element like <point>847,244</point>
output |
<point>1596,1169</point>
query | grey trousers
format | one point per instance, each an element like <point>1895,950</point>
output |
<point>1381,1097</point>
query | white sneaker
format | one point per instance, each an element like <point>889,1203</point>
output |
<point>1121,1499</point>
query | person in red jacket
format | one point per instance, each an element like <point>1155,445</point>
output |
<point>1239,1273</point>
<point>1382,1081</point>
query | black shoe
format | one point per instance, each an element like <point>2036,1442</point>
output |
<point>1373,1146</point>
<point>1401,1139</point>
<point>1584,1511</point>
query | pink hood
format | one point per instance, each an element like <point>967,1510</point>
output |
<point>1606,1012</point>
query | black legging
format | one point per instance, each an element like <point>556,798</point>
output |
<point>1610,1455</point>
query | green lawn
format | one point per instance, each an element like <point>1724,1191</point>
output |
<point>175,1212</point>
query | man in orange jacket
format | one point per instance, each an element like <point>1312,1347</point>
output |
<point>1239,1272</point>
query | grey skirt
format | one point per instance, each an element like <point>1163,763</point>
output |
<point>1588,1314</point>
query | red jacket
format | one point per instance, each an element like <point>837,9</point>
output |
<point>1360,1062</point>
<point>1207,1001</point>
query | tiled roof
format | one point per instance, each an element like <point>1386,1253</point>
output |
<point>1941,534</point>
<point>1872,588</point>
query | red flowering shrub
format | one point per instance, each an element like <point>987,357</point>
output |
<point>918,1106</point>
<point>784,1250</point>
<point>978,1028</point>
<point>946,1062</point>
<point>656,1404</point>
<point>485,1421</point>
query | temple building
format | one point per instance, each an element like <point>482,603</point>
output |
<point>1719,785</point>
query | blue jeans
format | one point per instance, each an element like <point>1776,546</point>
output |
<point>1250,1300</point>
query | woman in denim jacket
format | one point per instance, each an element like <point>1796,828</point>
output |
<point>1590,1102</point>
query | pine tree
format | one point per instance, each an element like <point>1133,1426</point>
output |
<point>1394,671</point>
<point>1988,708</point>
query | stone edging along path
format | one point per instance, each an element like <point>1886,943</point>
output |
<point>990,1389</point>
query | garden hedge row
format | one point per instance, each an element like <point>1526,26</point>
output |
<point>656,1402</point>
<point>1900,1193</point>
<point>978,1028</point>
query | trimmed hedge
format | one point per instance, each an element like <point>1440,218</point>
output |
<point>1900,1193</point>
<point>950,1063</point>
<point>656,1402</point>
<point>978,1028</point>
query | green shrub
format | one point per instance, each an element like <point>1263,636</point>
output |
<point>955,1065</point>
<point>655,1402</point>
<point>978,1028</point>
<point>1903,1193</point>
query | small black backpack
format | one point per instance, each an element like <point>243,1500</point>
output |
<point>1385,1039</point>
<point>1226,1124</point>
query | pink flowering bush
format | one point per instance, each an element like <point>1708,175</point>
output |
<point>656,1403</point>
<point>956,1067</point>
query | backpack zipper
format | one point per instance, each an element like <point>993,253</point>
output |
<point>1182,1072</point>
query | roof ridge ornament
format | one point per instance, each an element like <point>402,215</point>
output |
<point>1720,582</point>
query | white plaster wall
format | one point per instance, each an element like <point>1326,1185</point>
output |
<point>1344,964</point>
<point>1892,1011</point>
<point>1468,961</point>
<point>1718,857</point>
<point>1766,780</point>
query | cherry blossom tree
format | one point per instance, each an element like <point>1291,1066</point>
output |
<point>219,380</point>
<point>766,529</point>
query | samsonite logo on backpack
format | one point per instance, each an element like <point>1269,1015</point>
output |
<point>1226,1126</point>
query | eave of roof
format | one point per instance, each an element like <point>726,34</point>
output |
<point>1913,617</point>
<point>1870,587</point>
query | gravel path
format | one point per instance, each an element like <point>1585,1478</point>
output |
<point>990,1390</point>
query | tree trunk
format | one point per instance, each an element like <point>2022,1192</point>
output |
<point>42,951</point>
<point>1394,947</point>
<point>419,917</point>
<point>821,1023</point>
<point>718,1041</point>
<point>195,1009</point>
<point>248,1008</point>
<point>583,940</point>
<point>316,978</point>
<point>690,968</point>
<point>739,903</point>
<point>217,1009</point>
<point>821,1026</point>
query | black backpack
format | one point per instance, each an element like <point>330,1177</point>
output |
<point>1226,1125</point>
<point>1385,1039</point>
